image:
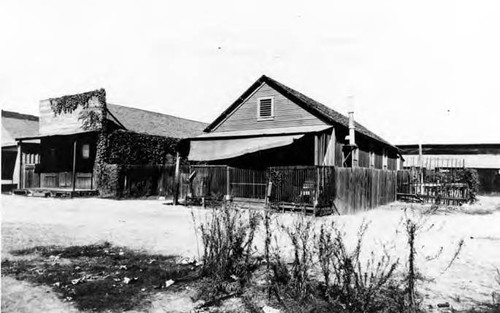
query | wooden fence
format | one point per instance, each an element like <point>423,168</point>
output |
<point>247,183</point>
<point>215,181</point>
<point>359,189</point>
<point>344,190</point>
<point>207,181</point>
<point>294,185</point>
<point>439,186</point>
<point>146,180</point>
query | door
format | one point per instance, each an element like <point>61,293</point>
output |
<point>31,179</point>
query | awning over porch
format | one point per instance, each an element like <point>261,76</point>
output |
<point>219,149</point>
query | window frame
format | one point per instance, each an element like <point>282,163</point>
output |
<point>265,118</point>
<point>83,149</point>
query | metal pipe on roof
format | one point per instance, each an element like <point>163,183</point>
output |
<point>352,127</point>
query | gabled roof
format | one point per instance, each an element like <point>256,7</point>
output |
<point>15,125</point>
<point>152,123</point>
<point>312,106</point>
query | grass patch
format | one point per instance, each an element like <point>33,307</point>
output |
<point>98,277</point>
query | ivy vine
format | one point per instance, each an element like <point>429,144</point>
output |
<point>91,118</point>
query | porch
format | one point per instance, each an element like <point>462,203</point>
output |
<point>56,192</point>
<point>65,162</point>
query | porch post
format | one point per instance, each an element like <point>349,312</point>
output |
<point>316,149</point>
<point>74,164</point>
<point>20,156</point>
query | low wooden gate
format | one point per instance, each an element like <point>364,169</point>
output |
<point>30,178</point>
<point>247,183</point>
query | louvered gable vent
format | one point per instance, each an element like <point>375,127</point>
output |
<point>266,108</point>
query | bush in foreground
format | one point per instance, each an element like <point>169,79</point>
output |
<point>228,252</point>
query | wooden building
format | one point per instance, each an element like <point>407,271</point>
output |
<point>69,133</point>
<point>271,124</point>
<point>485,158</point>
<point>17,125</point>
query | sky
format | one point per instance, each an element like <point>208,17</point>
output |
<point>418,71</point>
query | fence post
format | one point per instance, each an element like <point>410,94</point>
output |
<point>177,179</point>
<point>228,183</point>
<point>268,193</point>
<point>316,196</point>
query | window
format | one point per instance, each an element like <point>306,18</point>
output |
<point>85,151</point>
<point>372,159</point>
<point>265,108</point>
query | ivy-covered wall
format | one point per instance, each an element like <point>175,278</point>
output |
<point>108,178</point>
<point>119,150</point>
<point>125,147</point>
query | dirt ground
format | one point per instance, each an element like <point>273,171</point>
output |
<point>158,228</point>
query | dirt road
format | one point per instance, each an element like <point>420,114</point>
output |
<point>159,228</point>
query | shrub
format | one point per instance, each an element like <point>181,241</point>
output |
<point>471,178</point>
<point>350,286</point>
<point>227,237</point>
<point>296,280</point>
<point>347,286</point>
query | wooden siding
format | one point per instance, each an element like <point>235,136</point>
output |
<point>286,113</point>
<point>65,180</point>
<point>364,159</point>
<point>378,161</point>
<point>339,155</point>
<point>392,163</point>
<point>64,123</point>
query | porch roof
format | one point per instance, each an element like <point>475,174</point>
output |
<point>225,148</point>
<point>265,132</point>
<point>69,133</point>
